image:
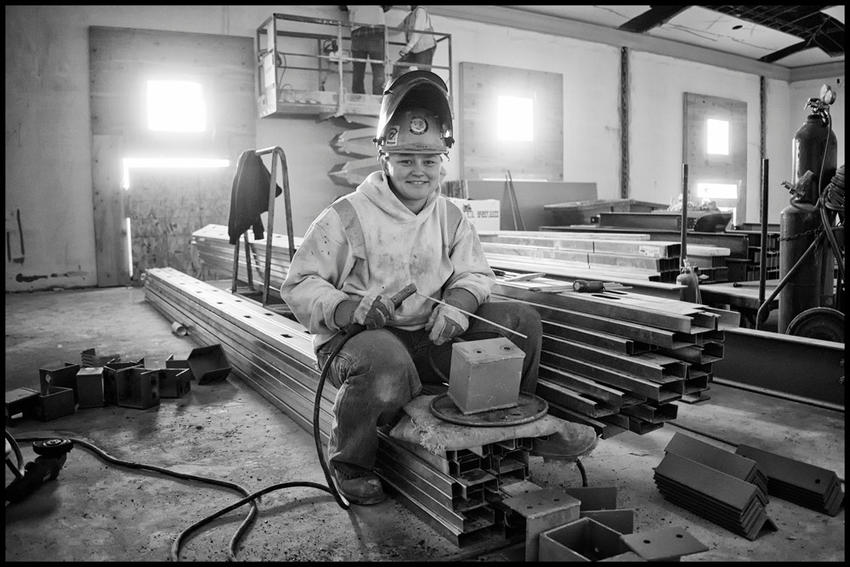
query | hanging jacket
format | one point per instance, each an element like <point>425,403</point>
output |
<point>368,242</point>
<point>249,196</point>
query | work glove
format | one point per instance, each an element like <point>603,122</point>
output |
<point>373,311</point>
<point>446,322</point>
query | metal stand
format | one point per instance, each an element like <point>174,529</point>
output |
<point>276,151</point>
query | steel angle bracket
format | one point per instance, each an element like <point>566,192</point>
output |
<point>622,521</point>
<point>594,497</point>
<point>664,544</point>
<point>803,483</point>
<point>538,511</point>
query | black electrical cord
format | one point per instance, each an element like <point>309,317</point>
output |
<point>248,497</point>
<point>175,548</point>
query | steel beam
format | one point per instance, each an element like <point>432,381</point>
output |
<point>800,368</point>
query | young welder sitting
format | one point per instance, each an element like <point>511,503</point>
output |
<point>396,229</point>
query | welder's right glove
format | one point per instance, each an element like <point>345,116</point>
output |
<point>371,311</point>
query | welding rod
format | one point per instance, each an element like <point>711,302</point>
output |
<point>468,314</point>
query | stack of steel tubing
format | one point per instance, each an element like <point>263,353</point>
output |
<point>617,360</point>
<point>608,255</point>
<point>216,254</point>
<point>455,491</point>
<point>647,361</point>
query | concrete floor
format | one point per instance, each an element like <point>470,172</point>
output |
<point>96,511</point>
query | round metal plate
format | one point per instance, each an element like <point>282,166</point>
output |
<point>822,323</point>
<point>529,408</point>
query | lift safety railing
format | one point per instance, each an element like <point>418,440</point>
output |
<point>269,43</point>
<point>276,152</point>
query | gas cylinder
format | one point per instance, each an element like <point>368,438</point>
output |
<point>815,145</point>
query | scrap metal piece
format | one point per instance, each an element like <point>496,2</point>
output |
<point>209,364</point>
<point>56,402</point>
<point>63,375</point>
<point>538,511</point>
<point>594,497</point>
<point>174,382</point>
<point>21,403</point>
<point>584,539</point>
<point>664,544</point>
<point>137,387</point>
<point>622,521</point>
<point>90,387</point>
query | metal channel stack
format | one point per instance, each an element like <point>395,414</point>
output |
<point>457,492</point>
<point>617,360</point>
<point>607,255</point>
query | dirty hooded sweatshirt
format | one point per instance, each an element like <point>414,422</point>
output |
<point>369,242</point>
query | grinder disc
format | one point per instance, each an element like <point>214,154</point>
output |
<point>529,408</point>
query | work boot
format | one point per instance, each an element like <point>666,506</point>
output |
<point>358,485</point>
<point>574,440</point>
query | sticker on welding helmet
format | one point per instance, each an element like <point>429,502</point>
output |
<point>392,136</point>
<point>418,125</point>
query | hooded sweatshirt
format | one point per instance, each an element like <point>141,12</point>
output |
<point>369,243</point>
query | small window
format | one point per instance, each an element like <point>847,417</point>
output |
<point>176,106</point>
<point>717,137</point>
<point>515,119</point>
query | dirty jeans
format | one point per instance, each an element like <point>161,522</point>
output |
<point>378,371</point>
<point>367,43</point>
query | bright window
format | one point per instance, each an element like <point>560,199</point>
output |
<point>515,119</point>
<point>176,106</point>
<point>166,163</point>
<point>717,137</point>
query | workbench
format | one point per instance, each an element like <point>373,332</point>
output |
<point>740,296</point>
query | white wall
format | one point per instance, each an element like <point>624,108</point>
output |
<point>48,134</point>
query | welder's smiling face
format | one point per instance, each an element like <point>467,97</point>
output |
<point>413,177</point>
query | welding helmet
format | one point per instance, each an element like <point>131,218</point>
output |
<point>415,116</point>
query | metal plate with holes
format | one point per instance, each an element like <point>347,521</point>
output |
<point>529,408</point>
<point>663,544</point>
<point>538,511</point>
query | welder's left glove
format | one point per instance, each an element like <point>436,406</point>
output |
<point>446,322</point>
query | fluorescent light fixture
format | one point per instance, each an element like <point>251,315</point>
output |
<point>129,247</point>
<point>717,137</point>
<point>166,163</point>
<point>176,106</point>
<point>515,120</point>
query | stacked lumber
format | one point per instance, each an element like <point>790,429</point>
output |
<point>456,491</point>
<point>608,255</point>
<point>617,360</point>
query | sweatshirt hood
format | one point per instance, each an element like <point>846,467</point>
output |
<point>376,188</point>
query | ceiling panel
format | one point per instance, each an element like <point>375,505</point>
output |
<point>703,27</point>
<point>707,28</point>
